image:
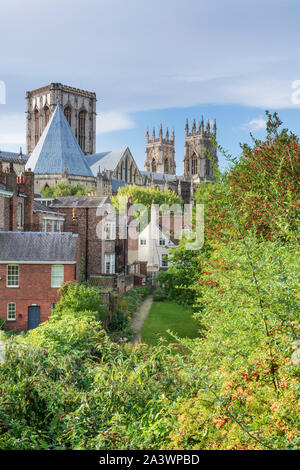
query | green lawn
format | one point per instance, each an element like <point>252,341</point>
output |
<point>165,316</point>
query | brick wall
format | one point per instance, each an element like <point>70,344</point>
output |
<point>35,288</point>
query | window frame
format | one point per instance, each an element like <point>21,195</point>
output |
<point>10,275</point>
<point>55,276</point>
<point>9,313</point>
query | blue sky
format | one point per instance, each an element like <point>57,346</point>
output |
<point>154,61</point>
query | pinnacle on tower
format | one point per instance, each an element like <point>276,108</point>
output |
<point>187,127</point>
<point>215,127</point>
<point>173,134</point>
<point>202,125</point>
<point>208,126</point>
<point>153,134</point>
<point>194,127</point>
<point>160,132</point>
<point>147,135</point>
<point>167,134</point>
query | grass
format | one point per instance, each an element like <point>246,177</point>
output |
<point>165,316</point>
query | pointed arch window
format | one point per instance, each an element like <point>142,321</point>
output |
<point>81,129</point>
<point>46,115</point>
<point>68,114</point>
<point>130,173</point>
<point>153,166</point>
<point>166,166</point>
<point>121,171</point>
<point>36,125</point>
<point>126,170</point>
<point>207,168</point>
<point>194,164</point>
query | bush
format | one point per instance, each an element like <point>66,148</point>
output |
<point>159,294</point>
<point>80,298</point>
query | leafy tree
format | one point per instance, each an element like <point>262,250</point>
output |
<point>64,189</point>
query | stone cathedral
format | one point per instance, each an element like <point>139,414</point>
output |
<point>61,147</point>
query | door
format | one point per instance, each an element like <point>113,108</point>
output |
<point>33,317</point>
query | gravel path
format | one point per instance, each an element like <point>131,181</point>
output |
<point>139,319</point>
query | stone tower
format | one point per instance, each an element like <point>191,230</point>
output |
<point>79,107</point>
<point>197,166</point>
<point>160,153</point>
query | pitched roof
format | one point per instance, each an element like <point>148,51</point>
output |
<point>58,149</point>
<point>79,201</point>
<point>106,160</point>
<point>39,207</point>
<point>38,246</point>
<point>13,157</point>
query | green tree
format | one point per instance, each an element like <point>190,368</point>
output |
<point>64,189</point>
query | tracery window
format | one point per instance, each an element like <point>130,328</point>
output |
<point>81,129</point>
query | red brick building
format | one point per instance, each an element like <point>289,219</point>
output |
<point>32,268</point>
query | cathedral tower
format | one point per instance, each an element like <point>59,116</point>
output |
<point>79,107</point>
<point>160,153</point>
<point>198,166</point>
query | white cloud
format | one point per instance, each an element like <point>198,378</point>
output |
<point>113,121</point>
<point>255,124</point>
<point>12,129</point>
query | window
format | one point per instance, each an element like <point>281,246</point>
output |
<point>58,225</point>
<point>68,114</point>
<point>53,306</point>
<point>109,263</point>
<point>153,169</point>
<point>194,164</point>
<point>57,276</point>
<point>11,311</point>
<point>20,213</point>
<point>110,231</point>
<point>81,129</point>
<point>143,242</point>
<point>44,225</point>
<point>164,261</point>
<point>162,242</point>
<point>166,166</point>
<point>12,276</point>
<point>126,170</point>
<point>47,115</point>
<point>37,125</point>
<point>207,167</point>
<point>52,225</point>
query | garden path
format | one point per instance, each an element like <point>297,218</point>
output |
<point>139,319</point>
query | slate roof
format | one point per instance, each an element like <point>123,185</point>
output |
<point>106,160</point>
<point>79,201</point>
<point>58,149</point>
<point>38,246</point>
<point>13,157</point>
<point>39,207</point>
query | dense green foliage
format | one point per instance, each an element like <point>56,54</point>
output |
<point>64,189</point>
<point>67,385</point>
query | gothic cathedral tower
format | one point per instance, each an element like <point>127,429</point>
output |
<point>160,153</point>
<point>197,166</point>
<point>79,107</point>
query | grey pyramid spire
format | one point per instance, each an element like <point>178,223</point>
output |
<point>58,150</point>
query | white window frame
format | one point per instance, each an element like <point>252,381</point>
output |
<point>57,279</point>
<point>110,263</point>
<point>9,312</point>
<point>12,276</point>
<point>143,242</point>
<point>162,242</point>
<point>110,230</point>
